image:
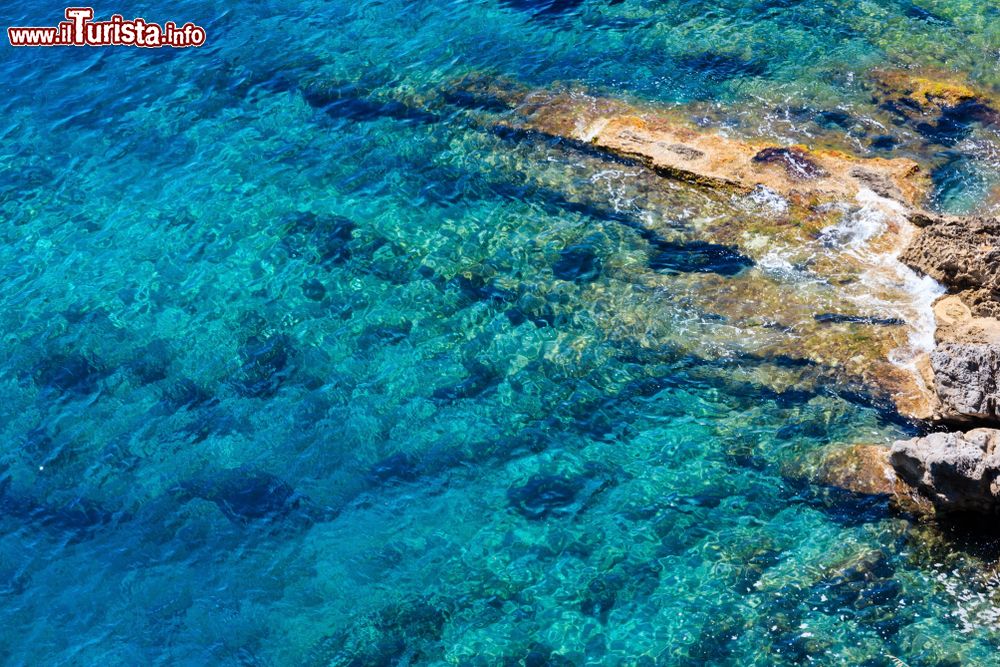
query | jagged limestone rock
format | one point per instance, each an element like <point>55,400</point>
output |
<point>963,253</point>
<point>966,379</point>
<point>958,472</point>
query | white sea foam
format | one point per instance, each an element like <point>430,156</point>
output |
<point>906,293</point>
<point>776,263</point>
<point>769,199</point>
<point>861,224</point>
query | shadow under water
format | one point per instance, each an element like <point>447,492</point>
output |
<point>372,376</point>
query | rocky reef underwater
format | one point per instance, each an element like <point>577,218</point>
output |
<point>505,332</point>
<point>933,354</point>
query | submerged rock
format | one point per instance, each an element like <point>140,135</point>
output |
<point>795,162</point>
<point>243,495</point>
<point>917,12</point>
<point>313,289</point>
<point>477,288</point>
<point>625,582</point>
<point>481,379</point>
<point>720,65</point>
<point>151,363</point>
<point>543,8</point>
<point>838,318</point>
<point>351,102</point>
<point>384,334</point>
<point>185,393</point>
<point>318,239</point>
<point>941,108</point>
<point>883,142</point>
<point>863,469</point>
<point>71,375</point>
<point>266,363</point>
<point>78,516</point>
<point>578,263</point>
<point>398,467</point>
<point>246,495</point>
<point>958,472</point>
<point>917,93</point>
<point>675,149</point>
<point>698,257</point>
<point>863,588</point>
<point>404,632</point>
<point>545,495</point>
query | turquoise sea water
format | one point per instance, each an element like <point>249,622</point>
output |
<point>302,365</point>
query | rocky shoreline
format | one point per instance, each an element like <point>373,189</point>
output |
<point>960,471</point>
<point>957,383</point>
<point>955,471</point>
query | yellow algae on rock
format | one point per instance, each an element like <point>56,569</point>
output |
<point>929,90</point>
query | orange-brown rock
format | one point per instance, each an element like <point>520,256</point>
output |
<point>866,469</point>
<point>860,468</point>
<point>926,91</point>
<point>664,142</point>
<point>963,253</point>
<point>956,322</point>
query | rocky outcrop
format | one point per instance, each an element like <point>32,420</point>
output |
<point>944,110</point>
<point>966,379</point>
<point>958,472</point>
<point>765,201</point>
<point>664,142</point>
<point>917,93</point>
<point>962,253</point>
<point>957,382</point>
<point>923,91</point>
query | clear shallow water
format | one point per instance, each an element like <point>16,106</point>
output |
<point>373,386</point>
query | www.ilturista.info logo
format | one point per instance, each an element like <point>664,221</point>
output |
<point>79,29</point>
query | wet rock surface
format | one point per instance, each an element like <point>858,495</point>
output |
<point>957,471</point>
<point>862,469</point>
<point>862,477</point>
<point>796,195</point>
<point>795,161</point>
<point>678,151</point>
<point>962,253</point>
<point>939,107</point>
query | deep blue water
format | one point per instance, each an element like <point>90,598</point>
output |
<point>303,366</point>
